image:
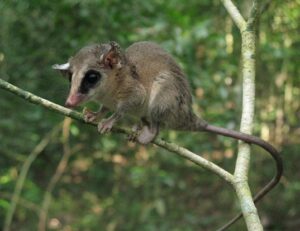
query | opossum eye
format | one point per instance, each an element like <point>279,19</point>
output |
<point>90,79</point>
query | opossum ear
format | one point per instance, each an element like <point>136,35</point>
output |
<point>64,69</point>
<point>112,58</point>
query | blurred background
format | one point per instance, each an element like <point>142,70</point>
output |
<point>68,177</point>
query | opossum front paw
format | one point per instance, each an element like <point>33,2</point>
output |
<point>105,125</point>
<point>89,116</point>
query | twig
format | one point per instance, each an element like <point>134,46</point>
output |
<point>67,152</point>
<point>196,159</point>
<point>235,14</point>
<point>78,116</point>
<point>23,174</point>
<point>253,17</point>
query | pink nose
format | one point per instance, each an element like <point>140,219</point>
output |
<point>69,104</point>
<point>74,100</point>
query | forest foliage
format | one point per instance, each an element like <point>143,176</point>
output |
<point>105,182</point>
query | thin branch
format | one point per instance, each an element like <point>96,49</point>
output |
<point>78,116</point>
<point>235,14</point>
<point>40,101</point>
<point>67,152</point>
<point>243,159</point>
<point>196,159</point>
<point>254,15</point>
<point>23,174</point>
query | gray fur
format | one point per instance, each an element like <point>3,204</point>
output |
<point>144,81</point>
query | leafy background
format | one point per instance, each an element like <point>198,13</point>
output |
<point>110,184</point>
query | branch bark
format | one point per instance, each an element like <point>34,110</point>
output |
<point>248,72</point>
<point>228,177</point>
<point>235,14</point>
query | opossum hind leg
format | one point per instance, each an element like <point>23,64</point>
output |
<point>147,133</point>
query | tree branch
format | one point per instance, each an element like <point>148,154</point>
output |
<point>248,72</point>
<point>61,167</point>
<point>235,14</point>
<point>78,116</point>
<point>253,17</point>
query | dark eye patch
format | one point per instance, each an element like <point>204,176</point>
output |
<point>69,75</point>
<point>89,80</point>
